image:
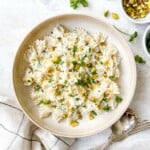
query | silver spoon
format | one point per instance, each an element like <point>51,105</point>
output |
<point>121,129</point>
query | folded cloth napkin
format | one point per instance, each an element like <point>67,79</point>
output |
<point>18,133</point>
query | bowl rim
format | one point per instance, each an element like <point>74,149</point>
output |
<point>32,119</point>
<point>147,30</point>
<point>137,21</point>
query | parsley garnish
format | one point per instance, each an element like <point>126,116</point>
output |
<point>112,77</point>
<point>71,95</point>
<point>93,113</point>
<point>82,60</point>
<point>104,99</point>
<point>106,108</point>
<point>81,83</point>
<point>37,88</point>
<point>74,50</point>
<point>118,99</point>
<point>74,62</point>
<point>139,59</point>
<point>77,99</point>
<point>75,3</point>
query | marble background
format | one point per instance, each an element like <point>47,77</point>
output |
<point>18,17</point>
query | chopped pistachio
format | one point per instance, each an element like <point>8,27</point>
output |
<point>56,60</point>
<point>106,13</point>
<point>115,16</point>
<point>45,101</point>
<point>74,123</point>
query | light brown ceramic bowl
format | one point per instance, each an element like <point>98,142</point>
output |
<point>127,79</point>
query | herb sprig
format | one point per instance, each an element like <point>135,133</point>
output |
<point>131,36</point>
<point>75,3</point>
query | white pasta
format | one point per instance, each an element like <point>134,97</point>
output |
<point>73,74</point>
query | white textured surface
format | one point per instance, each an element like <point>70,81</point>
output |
<point>18,17</point>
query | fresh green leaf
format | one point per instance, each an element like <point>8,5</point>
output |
<point>75,3</point>
<point>93,113</point>
<point>84,3</point>
<point>74,62</point>
<point>37,88</point>
<point>90,50</point>
<point>71,95</point>
<point>77,99</point>
<point>74,50</point>
<point>118,99</point>
<point>106,108</point>
<point>65,82</point>
<point>133,36</point>
<point>112,77</point>
<point>81,83</point>
<point>104,99</point>
<point>139,59</point>
<point>82,60</point>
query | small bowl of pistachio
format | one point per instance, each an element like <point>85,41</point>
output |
<point>138,11</point>
<point>146,41</point>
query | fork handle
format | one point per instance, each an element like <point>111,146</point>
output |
<point>106,145</point>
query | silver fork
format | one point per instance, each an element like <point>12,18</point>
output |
<point>129,124</point>
<point>140,126</point>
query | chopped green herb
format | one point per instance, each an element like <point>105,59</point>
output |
<point>74,50</point>
<point>94,72</point>
<point>104,99</point>
<point>77,99</point>
<point>65,82</point>
<point>69,49</point>
<point>74,62</point>
<point>61,62</point>
<point>106,108</point>
<point>29,80</point>
<point>81,83</point>
<point>37,88</point>
<point>75,3</point>
<point>82,60</point>
<point>83,105</point>
<point>90,50</point>
<point>45,101</point>
<point>71,95</point>
<point>118,99</point>
<point>139,59</point>
<point>93,113</point>
<point>89,80</point>
<point>101,62</point>
<point>112,77</point>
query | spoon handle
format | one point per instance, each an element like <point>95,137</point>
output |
<point>106,145</point>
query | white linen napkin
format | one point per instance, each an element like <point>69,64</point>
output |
<point>18,133</point>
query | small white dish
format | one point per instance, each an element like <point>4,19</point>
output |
<point>144,40</point>
<point>138,21</point>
